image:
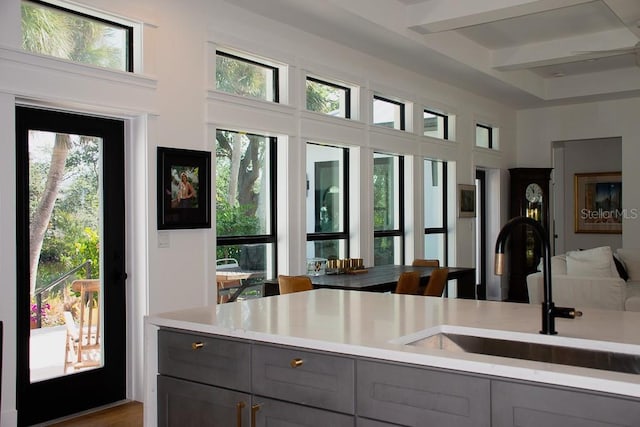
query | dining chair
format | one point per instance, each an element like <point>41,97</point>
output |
<point>408,283</point>
<point>290,284</point>
<point>437,282</point>
<point>426,263</point>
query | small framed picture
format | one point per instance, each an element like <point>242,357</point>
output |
<point>183,188</point>
<point>466,201</point>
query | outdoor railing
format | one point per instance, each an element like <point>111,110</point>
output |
<point>38,295</point>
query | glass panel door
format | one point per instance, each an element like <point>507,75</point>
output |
<point>71,269</point>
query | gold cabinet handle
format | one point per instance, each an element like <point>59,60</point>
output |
<point>297,362</point>
<point>239,407</point>
<point>197,345</point>
<point>254,411</point>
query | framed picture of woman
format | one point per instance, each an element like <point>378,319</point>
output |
<point>183,188</point>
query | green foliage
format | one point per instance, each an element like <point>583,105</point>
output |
<point>240,77</point>
<point>235,220</point>
<point>322,98</point>
<point>64,35</point>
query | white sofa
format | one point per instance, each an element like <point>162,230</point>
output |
<point>591,279</point>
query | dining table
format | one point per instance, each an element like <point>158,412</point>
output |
<point>384,278</point>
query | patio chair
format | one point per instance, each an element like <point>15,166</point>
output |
<point>82,349</point>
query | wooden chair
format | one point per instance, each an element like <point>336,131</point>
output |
<point>408,283</point>
<point>426,263</point>
<point>82,349</point>
<point>290,284</point>
<point>437,282</point>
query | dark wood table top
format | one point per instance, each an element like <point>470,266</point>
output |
<point>380,278</point>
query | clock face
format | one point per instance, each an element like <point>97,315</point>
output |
<point>534,193</point>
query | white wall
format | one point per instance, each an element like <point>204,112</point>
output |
<point>175,104</point>
<point>538,128</point>
<point>570,158</point>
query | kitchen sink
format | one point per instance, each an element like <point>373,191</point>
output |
<point>534,351</point>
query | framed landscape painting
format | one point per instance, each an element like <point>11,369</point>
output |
<point>598,202</point>
<point>183,188</point>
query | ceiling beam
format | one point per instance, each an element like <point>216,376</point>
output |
<point>434,16</point>
<point>560,51</point>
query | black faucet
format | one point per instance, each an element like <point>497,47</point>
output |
<point>549,310</point>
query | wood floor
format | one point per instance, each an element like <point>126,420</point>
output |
<point>126,415</point>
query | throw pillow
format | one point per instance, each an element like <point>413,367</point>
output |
<point>631,260</point>
<point>596,262</point>
<point>622,271</point>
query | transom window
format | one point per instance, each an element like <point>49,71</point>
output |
<point>327,201</point>
<point>484,136</point>
<point>435,210</point>
<point>68,34</point>
<point>245,204</point>
<point>436,124</point>
<point>246,77</point>
<point>388,209</point>
<point>328,98</point>
<point>388,113</point>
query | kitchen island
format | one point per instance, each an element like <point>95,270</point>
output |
<point>360,339</point>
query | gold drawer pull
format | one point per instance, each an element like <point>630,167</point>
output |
<point>296,363</point>
<point>239,407</point>
<point>197,345</point>
<point>254,411</point>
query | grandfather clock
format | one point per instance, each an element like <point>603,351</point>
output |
<point>530,198</point>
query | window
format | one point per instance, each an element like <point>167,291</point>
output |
<point>388,113</point>
<point>328,98</point>
<point>484,136</point>
<point>327,202</point>
<point>68,34</point>
<point>245,202</point>
<point>436,125</point>
<point>388,209</point>
<point>246,77</point>
<point>435,210</point>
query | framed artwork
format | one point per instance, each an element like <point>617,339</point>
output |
<point>183,188</point>
<point>598,202</point>
<point>466,201</point>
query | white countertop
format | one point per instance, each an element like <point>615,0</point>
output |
<point>377,325</point>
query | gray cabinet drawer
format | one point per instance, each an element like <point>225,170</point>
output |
<point>414,396</point>
<point>184,403</point>
<point>524,405</point>
<point>320,380</point>
<point>216,361</point>
<point>273,413</point>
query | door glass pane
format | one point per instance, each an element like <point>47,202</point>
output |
<point>65,224</point>
<point>433,194</point>
<point>386,195</point>
<point>325,200</point>
<point>387,250</point>
<point>328,249</point>
<point>243,194</point>
<point>434,247</point>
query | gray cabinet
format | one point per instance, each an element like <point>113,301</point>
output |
<point>275,413</point>
<point>527,405</point>
<point>416,396</point>
<point>186,403</point>
<point>214,381</point>
<point>207,381</point>
<point>310,378</point>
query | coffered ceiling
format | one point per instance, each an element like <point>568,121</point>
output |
<point>523,52</point>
